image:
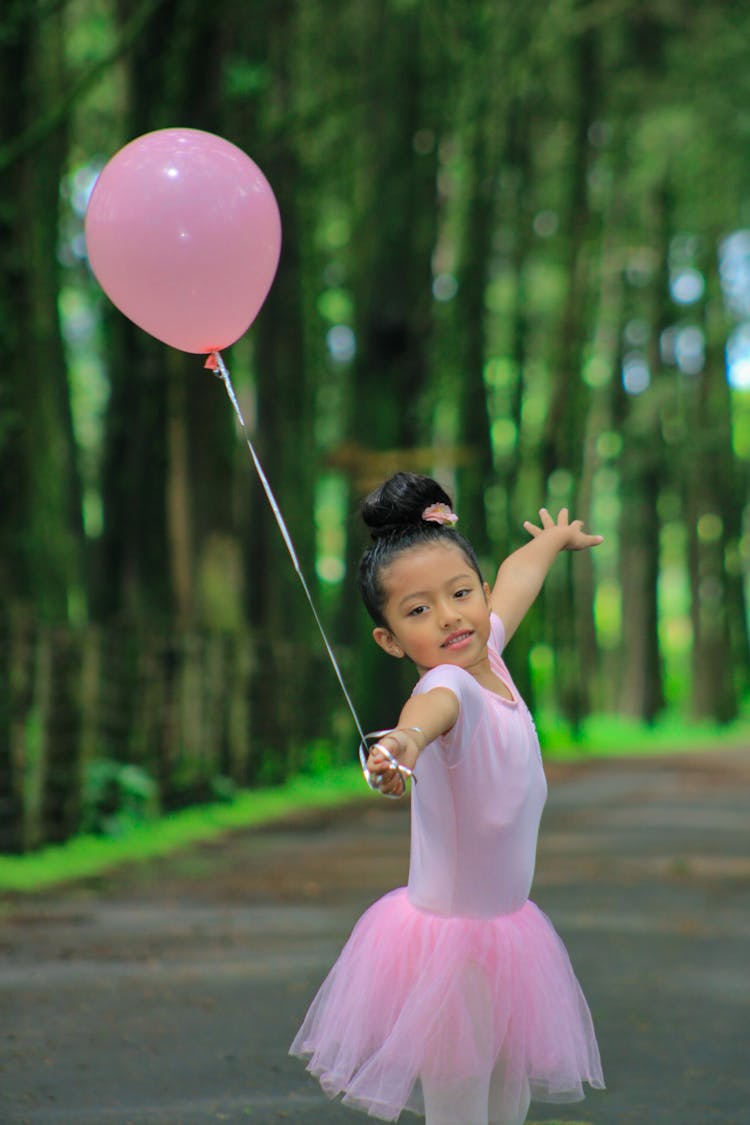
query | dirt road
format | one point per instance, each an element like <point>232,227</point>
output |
<point>167,994</point>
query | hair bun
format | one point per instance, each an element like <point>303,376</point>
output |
<point>398,503</point>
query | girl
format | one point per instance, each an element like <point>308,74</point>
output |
<point>454,996</point>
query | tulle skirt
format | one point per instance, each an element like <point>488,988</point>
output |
<point>416,995</point>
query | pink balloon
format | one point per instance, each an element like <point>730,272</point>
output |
<point>183,234</point>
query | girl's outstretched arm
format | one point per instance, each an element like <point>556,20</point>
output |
<point>423,718</point>
<point>522,575</point>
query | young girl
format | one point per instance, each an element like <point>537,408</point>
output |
<point>454,997</point>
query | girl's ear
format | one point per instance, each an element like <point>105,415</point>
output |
<point>386,640</point>
<point>487,591</point>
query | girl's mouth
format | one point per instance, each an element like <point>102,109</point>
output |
<point>457,640</point>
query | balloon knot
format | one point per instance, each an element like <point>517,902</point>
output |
<point>212,362</point>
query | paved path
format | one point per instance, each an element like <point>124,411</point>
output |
<point>167,994</point>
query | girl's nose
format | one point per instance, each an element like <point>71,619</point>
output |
<point>449,614</point>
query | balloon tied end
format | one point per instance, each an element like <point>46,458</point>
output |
<point>212,363</point>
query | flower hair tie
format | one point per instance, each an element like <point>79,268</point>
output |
<point>439,513</point>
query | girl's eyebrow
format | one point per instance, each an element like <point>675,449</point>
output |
<point>423,593</point>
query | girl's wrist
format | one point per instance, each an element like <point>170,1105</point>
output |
<point>557,536</point>
<point>420,741</point>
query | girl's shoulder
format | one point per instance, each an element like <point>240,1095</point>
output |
<point>497,634</point>
<point>472,705</point>
<point>450,676</point>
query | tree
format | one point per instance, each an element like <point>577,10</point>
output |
<point>41,539</point>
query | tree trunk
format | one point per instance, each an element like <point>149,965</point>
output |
<point>713,511</point>
<point>167,478</point>
<point>562,443</point>
<point>393,239</point>
<point>41,533</point>
<point>41,561</point>
<point>644,470</point>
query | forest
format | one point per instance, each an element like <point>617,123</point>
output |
<point>516,255</point>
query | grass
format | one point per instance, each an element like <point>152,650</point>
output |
<point>90,855</point>
<point>612,736</point>
<point>83,856</point>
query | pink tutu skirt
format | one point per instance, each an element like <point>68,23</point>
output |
<point>416,995</point>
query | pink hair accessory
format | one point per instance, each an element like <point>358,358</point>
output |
<point>439,513</point>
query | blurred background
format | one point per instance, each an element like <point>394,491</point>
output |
<point>516,255</point>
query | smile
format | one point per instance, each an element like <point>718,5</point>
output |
<point>457,639</point>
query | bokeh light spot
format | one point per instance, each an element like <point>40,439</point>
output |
<point>342,343</point>
<point>689,350</point>
<point>546,224</point>
<point>503,435</point>
<point>738,358</point>
<point>687,286</point>
<point>710,527</point>
<point>444,287</point>
<point>596,371</point>
<point>609,445</point>
<point>636,376</point>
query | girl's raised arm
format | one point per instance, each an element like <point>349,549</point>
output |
<point>521,576</point>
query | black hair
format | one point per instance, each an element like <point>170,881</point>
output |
<point>393,513</point>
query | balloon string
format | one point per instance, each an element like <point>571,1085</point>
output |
<point>223,373</point>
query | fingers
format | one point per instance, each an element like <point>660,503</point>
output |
<point>393,785</point>
<point>380,758</point>
<point>380,761</point>
<point>585,540</point>
<point>578,539</point>
<point>389,781</point>
<point>546,521</point>
<point>402,745</point>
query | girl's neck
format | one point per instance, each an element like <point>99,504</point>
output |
<point>490,680</point>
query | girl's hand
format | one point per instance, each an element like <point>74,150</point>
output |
<point>572,535</point>
<point>405,746</point>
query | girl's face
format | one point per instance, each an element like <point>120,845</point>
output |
<point>437,608</point>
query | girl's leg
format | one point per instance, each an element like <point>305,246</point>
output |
<point>455,1103</point>
<point>464,1101</point>
<point>508,1101</point>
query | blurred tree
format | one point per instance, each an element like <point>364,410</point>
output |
<point>41,533</point>
<point>270,108</point>
<point>162,493</point>
<point>643,468</point>
<point>477,117</point>
<point>41,559</point>
<point>393,141</point>
<point>562,446</point>
<point>713,510</point>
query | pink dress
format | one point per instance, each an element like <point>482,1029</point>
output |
<point>459,972</point>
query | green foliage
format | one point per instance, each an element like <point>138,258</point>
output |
<point>321,757</point>
<point>224,789</point>
<point>116,797</point>
<point>244,79</point>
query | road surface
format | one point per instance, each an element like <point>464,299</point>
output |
<point>167,993</point>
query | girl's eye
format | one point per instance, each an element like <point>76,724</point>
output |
<point>462,593</point>
<point>417,611</point>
